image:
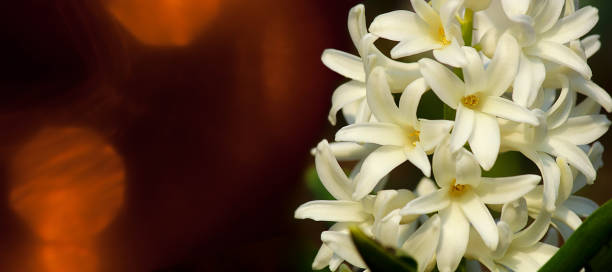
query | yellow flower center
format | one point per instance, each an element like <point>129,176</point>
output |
<point>442,36</point>
<point>413,137</point>
<point>470,101</point>
<point>457,189</point>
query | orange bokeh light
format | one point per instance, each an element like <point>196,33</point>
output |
<point>68,184</point>
<point>164,22</point>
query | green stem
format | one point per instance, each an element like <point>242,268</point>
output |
<point>591,237</point>
<point>467,26</point>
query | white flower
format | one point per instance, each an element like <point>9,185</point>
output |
<point>559,136</point>
<point>568,207</point>
<point>559,75</point>
<point>541,35</point>
<point>350,96</point>
<point>461,201</point>
<point>370,213</point>
<point>432,27</point>
<point>518,248</point>
<point>477,100</point>
<point>422,244</point>
<point>400,133</point>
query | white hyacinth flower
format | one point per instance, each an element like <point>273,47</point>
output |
<point>478,99</point>
<point>430,27</point>
<point>350,96</point>
<point>519,249</point>
<point>371,213</point>
<point>542,36</point>
<point>559,136</point>
<point>568,207</point>
<point>558,75</point>
<point>400,134</point>
<point>461,200</point>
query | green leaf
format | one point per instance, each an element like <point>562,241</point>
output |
<point>378,258</point>
<point>588,247</point>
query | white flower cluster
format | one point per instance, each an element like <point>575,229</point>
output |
<point>510,71</point>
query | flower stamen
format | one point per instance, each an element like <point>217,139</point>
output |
<point>442,36</point>
<point>470,101</point>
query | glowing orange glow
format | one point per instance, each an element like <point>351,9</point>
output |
<point>164,22</point>
<point>68,185</point>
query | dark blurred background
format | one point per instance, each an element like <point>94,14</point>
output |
<point>173,135</point>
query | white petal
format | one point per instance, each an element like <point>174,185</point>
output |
<point>549,15</point>
<point>588,106</point>
<point>478,214</point>
<point>453,238</point>
<point>591,45</point>
<point>561,109</point>
<point>345,94</point>
<point>432,132</point>
<point>331,174</point>
<point>562,228</point>
<point>409,101</point>
<point>377,133</point>
<point>347,151</point>
<point>566,182</point>
<point>473,72</point>
<point>574,155</point>
<point>323,257</point>
<point>541,252</point>
<point>572,27</point>
<point>426,12</point>
<point>380,99</point>
<point>534,233</point>
<point>447,86</point>
<point>344,63</point>
<point>507,189</point>
<point>508,110</point>
<point>342,245</point>
<point>581,205</point>
<point>568,217</point>
<point>503,67</point>
<point>428,203</point>
<point>418,158</point>
<point>357,26</point>
<point>426,186</point>
<point>377,165</point>
<point>484,140</point>
<point>516,260</point>
<point>515,7</point>
<point>514,213</point>
<point>414,46</point>
<point>582,129</point>
<point>443,163</point>
<point>399,74</point>
<point>560,54</point>
<point>592,90</point>
<point>468,170</point>
<point>529,79</point>
<point>421,245</point>
<point>386,230</point>
<point>363,113</point>
<point>332,210</point>
<point>505,239</point>
<point>464,125</point>
<point>451,54</point>
<point>398,25</point>
<point>550,174</point>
